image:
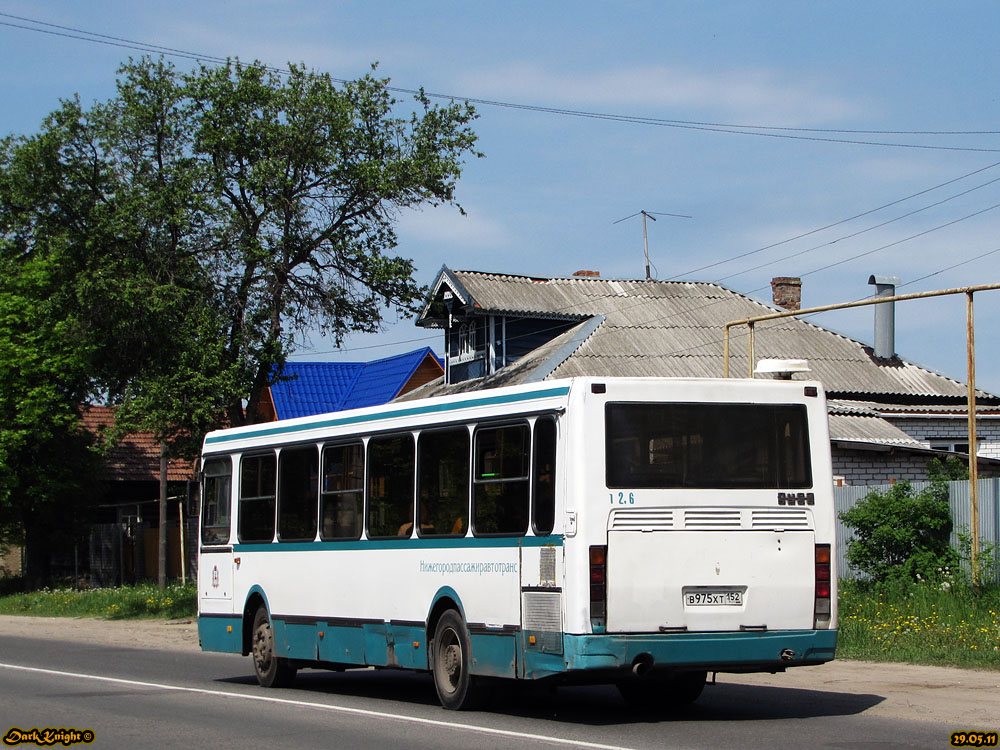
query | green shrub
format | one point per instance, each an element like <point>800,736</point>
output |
<point>902,534</point>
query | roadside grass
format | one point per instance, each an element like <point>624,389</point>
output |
<point>144,600</point>
<point>920,624</point>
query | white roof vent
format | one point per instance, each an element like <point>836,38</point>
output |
<point>781,368</point>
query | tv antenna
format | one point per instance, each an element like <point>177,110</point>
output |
<point>645,240</point>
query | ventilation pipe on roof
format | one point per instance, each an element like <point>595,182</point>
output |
<point>885,316</point>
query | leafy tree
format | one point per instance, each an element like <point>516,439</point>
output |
<point>952,469</point>
<point>47,466</point>
<point>310,178</point>
<point>168,245</point>
<point>901,534</point>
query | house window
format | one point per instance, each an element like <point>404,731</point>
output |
<point>466,342</point>
<point>949,444</point>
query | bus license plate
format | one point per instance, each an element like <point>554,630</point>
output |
<point>713,598</point>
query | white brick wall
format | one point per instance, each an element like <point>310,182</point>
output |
<point>874,467</point>
<point>957,427</point>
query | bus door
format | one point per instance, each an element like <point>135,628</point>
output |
<point>215,568</point>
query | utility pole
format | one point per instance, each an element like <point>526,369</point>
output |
<point>645,238</point>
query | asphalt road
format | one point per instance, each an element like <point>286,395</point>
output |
<point>135,697</point>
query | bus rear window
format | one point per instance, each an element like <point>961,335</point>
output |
<point>707,446</point>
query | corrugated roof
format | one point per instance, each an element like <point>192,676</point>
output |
<point>676,329</point>
<point>866,429</point>
<point>309,388</point>
<point>136,457</point>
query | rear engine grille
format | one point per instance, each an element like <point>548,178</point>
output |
<point>653,519</point>
<point>779,519</point>
<point>711,519</point>
<point>707,519</point>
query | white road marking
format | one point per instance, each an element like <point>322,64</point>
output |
<point>322,707</point>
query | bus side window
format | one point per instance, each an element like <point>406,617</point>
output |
<point>443,482</point>
<point>257,491</point>
<point>543,458</point>
<point>343,484</point>
<point>216,500</point>
<point>298,480</point>
<point>390,486</point>
<point>500,480</point>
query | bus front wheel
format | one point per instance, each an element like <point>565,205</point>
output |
<point>457,689</point>
<point>272,671</point>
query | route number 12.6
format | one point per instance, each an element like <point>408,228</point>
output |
<point>619,498</point>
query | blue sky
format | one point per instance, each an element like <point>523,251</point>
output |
<point>545,199</point>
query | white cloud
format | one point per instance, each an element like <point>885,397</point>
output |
<point>447,229</point>
<point>753,95</point>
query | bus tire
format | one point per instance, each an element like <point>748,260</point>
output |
<point>663,693</point>
<point>685,687</point>
<point>457,689</point>
<point>271,670</point>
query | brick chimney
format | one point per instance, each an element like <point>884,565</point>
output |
<point>588,274</point>
<point>787,292</point>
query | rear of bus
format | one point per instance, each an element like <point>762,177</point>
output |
<point>706,530</point>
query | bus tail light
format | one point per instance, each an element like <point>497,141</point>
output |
<point>598,582</point>
<point>822,609</point>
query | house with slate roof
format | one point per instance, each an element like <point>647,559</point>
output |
<point>888,416</point>
<point>307,388</point>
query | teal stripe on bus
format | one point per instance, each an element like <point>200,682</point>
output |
<point>408,412</point>
<point>469,542</point>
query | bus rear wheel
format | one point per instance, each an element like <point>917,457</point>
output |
<point>271,670</point>
<point>456,688</point>
<point>655,693</point>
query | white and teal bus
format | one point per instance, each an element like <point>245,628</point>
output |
<point>636,531</point>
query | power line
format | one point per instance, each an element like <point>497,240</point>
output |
<point>861,231</point>
<point>899,242</point>
<point>764,131</point>
<point>836,223</point>
<point>949,268</point>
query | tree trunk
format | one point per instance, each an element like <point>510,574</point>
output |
<point>161,577</point>
<point>37,556</point>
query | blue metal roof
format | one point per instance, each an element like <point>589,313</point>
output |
<point>308,388</point>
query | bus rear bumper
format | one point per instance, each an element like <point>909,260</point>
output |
<point>755,651</point>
